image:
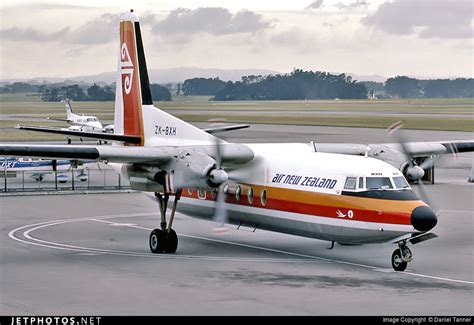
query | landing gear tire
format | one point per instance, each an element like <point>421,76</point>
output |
<point>163,242</point>
<point>397,262</point>
<point>171,242</point>
<point>157,241</point>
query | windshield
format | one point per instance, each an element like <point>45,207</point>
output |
<point>400,182</point>
<point>378,183</point>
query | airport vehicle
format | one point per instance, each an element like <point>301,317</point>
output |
<point>287,188</point>
<point>39,168</point>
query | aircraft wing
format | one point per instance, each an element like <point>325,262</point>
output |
<point>82,134</point>
<point>416,149</point>
<point>58,119</point>
<point>230,152</point>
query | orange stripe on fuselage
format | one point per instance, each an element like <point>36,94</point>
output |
<point>132,111</point>
<point>325,205</point>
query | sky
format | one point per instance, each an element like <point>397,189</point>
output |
<point>421,38</point>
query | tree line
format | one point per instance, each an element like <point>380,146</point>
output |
<point>298,84</point>
<point>406,87</point>
<point>58,92</point>
<point>320,85</point>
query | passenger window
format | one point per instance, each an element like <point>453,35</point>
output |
<point>225,190</point>
<point>238,192</point>
<point>202,194</point>
<point>263,197</point>
<point>350,183</point>
<point>250,195</point>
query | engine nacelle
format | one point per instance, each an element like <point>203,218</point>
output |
<point>141,178</point>
<point>188,169</point>
<point>193,169</point>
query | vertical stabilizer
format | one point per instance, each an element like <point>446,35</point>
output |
<point>134,111</point>
<point>69,112</point>
<point>128,96</point>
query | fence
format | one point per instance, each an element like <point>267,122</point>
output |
<point>98,178</point>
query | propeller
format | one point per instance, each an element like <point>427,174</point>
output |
<point>219,176</point>
<point>413,170</point>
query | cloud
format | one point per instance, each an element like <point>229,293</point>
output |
<point>353,5</point>
<point>30,34</point>
<point>102,29</point>
<point>215,21</point>
<point>315,5</point>
<point>428,19</point>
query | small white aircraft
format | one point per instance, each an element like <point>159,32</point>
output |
<point>78,124</point>
<point>288,188</point>
<point>82,122</point>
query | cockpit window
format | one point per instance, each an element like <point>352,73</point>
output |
<point>400,182</point>
<point>378,183</point>
<point>350,183</point>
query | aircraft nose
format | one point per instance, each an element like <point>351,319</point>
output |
<point>423,218</point>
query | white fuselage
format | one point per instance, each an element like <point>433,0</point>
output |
<point>289,188</point>
<point>84,123</point>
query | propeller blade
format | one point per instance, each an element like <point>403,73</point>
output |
<point>395,130</point>
<point>218,148</point>
<point>220,213</point>
<point>428,163</point>
<point>424,196</point>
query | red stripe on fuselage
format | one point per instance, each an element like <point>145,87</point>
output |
<point>365,214</point>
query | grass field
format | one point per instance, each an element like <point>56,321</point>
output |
<point>438,114</point>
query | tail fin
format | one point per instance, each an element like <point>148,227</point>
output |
<point>69,112</point>
<point>134,111</point>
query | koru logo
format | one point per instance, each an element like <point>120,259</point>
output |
<point>126,67</point>
<point>349,214</point>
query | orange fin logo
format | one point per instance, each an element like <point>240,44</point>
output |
<point>126,67</point>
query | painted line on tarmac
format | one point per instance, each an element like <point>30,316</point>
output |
<point>82,250</point>
<point>306,258</point>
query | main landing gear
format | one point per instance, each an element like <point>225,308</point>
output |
<point>165,240</point>
<point>401,256</point>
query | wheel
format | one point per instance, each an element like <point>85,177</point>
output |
<point>397,262</point>
<point>157,241</point>
<point>69,141</point>
<point>171,242</point>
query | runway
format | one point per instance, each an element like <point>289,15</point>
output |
<point>88,254</point>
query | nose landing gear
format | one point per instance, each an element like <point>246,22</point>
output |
<point>401,257</point>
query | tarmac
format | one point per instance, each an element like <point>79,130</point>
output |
<point>88,254</point>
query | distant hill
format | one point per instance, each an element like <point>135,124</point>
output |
<point>163,75</point>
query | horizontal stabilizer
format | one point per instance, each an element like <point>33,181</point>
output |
<point>218,129</point>
<point>82,134</point>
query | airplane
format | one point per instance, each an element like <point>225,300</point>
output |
<point>284,187</point>
<point>39,168</point>
<point>82,122</point>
